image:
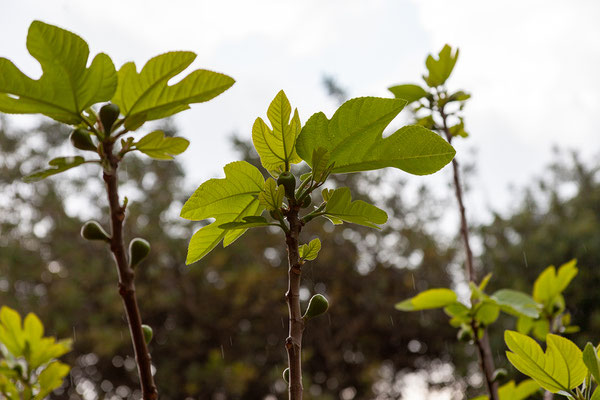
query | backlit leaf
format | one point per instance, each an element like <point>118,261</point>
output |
<point>227,200</point>
<point>272,196</point>
<point>277,147</point>
<point>353,137</point>
<point>340,207</point>
<point>310,251</point>
<point>410,93</point>
<point>551,283</point>
<point>429,299</point>
<point>161,147</point>
<point>440,69</point>
<point>146,95</point>
<point>66,86</point>
<point>561,368</point>
<point>516,303</point>
<point>60,164</point>
<point>51,378</point>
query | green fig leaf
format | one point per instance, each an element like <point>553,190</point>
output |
<point>277,147</point>
<point>510,391</point>
<point>321,166</point>
<point>440,69</point>
<point>353,137</point>
<point>227,200</point>
<point>272,196</point>
<point>160,147</point>
<point>51,378</point>
<point>591,360</point>
<point>146,96</point>
<point>60,164</point>
<point>561,368</point>
<point>66,86</point>
<point>409,93</point>
<point>340,207</point>
<point>551,283</point>
<point>428,299</point>
<point>310,251</point>
<point>516,303</point>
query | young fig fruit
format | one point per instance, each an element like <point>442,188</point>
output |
<point>138,250</point>
<point>317,305</point>
<point>92,230</point>
<point>148,334</point>
<point>286,375</point>
<point>81,139</point>
<point>108,115</point>
<point>288,180</point>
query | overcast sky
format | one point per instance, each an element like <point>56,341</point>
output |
<point>532,66</point>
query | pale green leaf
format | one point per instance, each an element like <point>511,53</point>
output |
<point>560,368</point>
<point>47,349</point>
<point>11,333</point>
<point>596,394</point>
<point>341,207</point>
<point>227,200</point>
<point>353,137</point>
<point>321,165</point>
<point>277,147</point>
<point>66,86</point>
<point>310,251</point>
<point>440,69</point>
<point>51,378</point>
<point>591,361</point>
<point>524,324</point>
<point>429,299</point>
<point>410,93</point>
<point>516,303</point>
<point>146,96</point>
<point>510,391</point>
<point>60,164</point>
<point>272,196</point>
<point>160,147</point>
<point>326,193</point>
<point>487,312</point>
<point>551,283</point>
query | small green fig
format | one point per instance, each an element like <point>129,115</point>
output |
<point>286,375</point>
<point>288,180</point>
<point>81,139</point>
<point>138,250</point>
<point>317,305</point>
<point>465,334</point>
<point>108,115</point>
<point>499,375</point>
<point>148,334</point>
<point>92,230</point>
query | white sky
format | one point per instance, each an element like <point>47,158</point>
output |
<point>532,66</point>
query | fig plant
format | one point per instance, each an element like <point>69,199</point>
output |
<point>29,366</point>
<point>435,108</point>
<point>351,141</point>
<point>105,107</point>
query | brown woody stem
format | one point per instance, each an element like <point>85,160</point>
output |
<point>293,343</point>
<point>486,358</point>
<point>127,275</point>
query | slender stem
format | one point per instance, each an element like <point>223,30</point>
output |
<point>486,358</point>
<point>126,276</point>
<point>293,343</point>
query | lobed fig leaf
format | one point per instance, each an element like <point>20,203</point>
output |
<point>66,87</point>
